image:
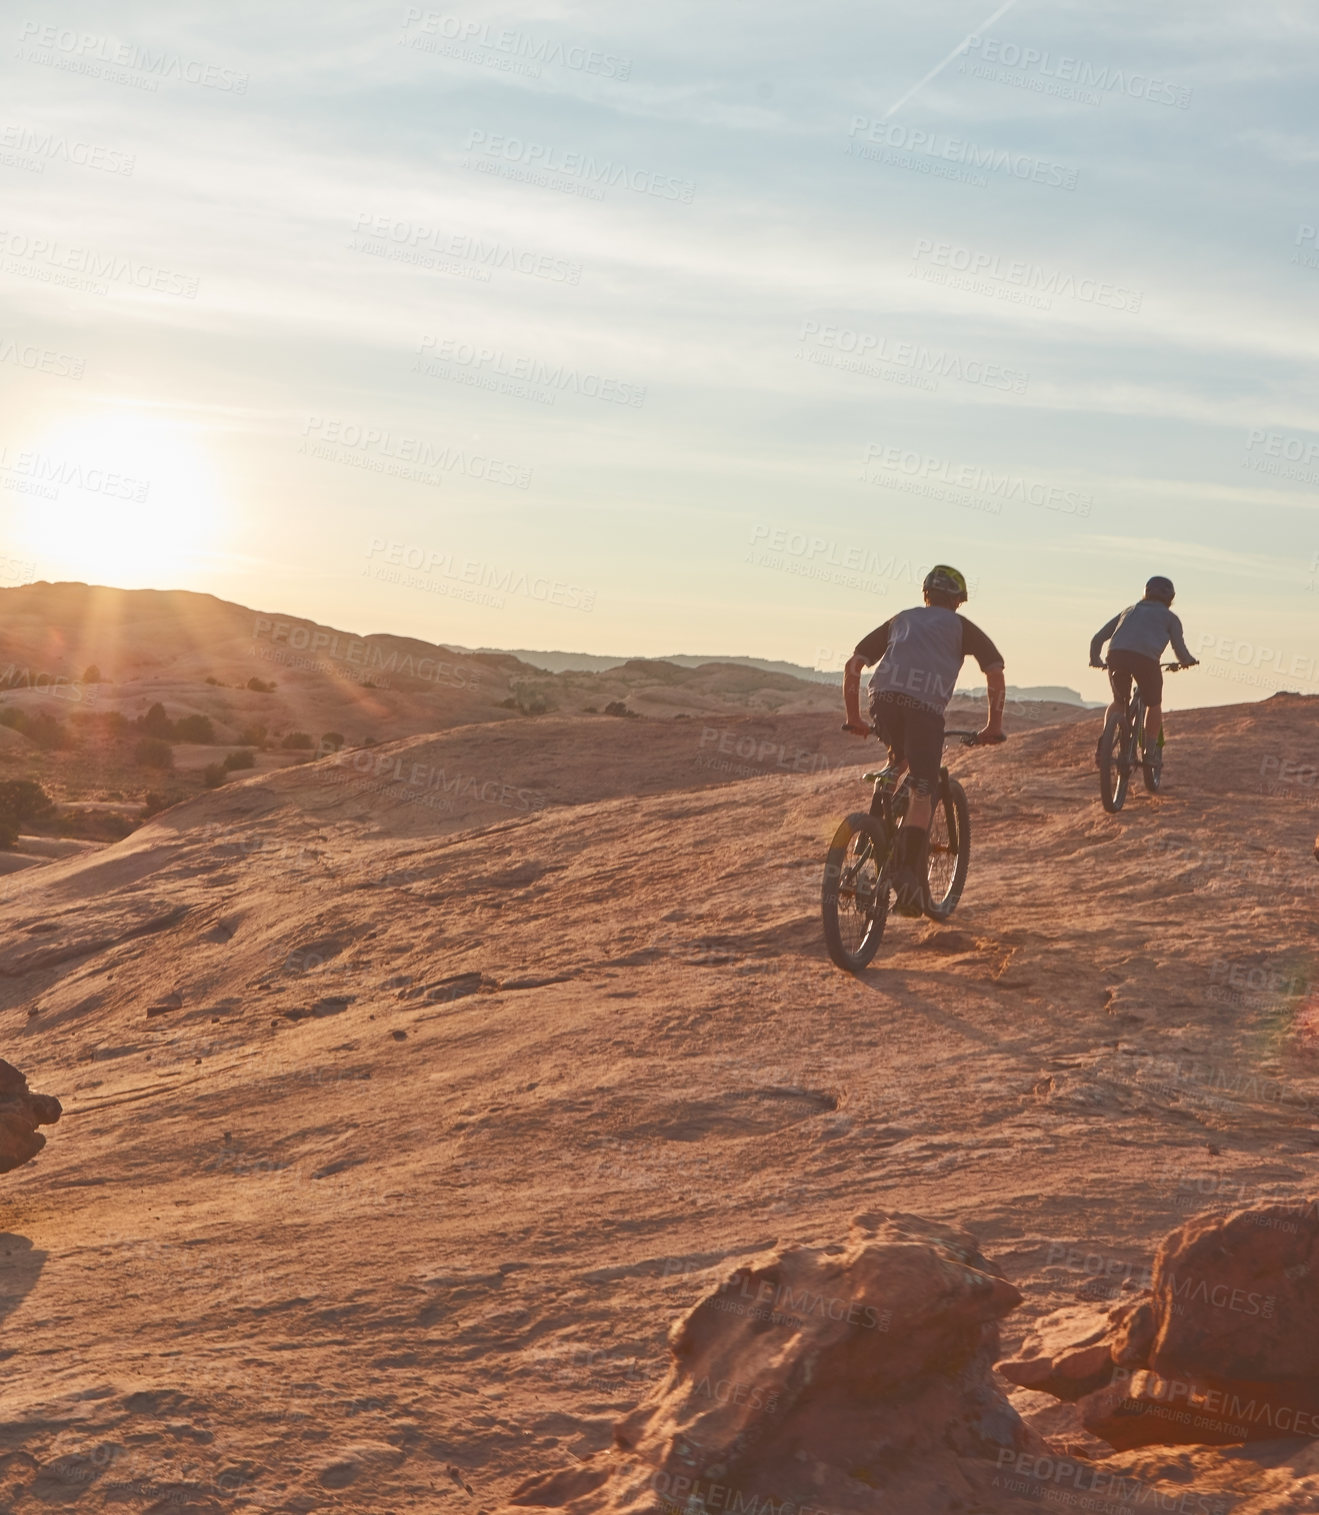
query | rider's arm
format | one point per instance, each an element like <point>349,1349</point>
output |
<point>852,689</point>
<point>1099,638</point>
<point>977,645</point>
<point>998,694</point>
<point>1179,646</point>
<point>868,650</point>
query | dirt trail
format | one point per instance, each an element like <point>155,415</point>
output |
<point>396,1135</point>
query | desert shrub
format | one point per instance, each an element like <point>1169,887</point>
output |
<point>617,707</point>
<point>40,728</point>
<point>298,741</point>
<point>211,679</point>
<point>331,741</point>
<point>92,675</point>
<point>22,800</point>
<point>154,752</point>
<point>214,774</point>
<point>155,722</point>
<point>257,686</point>
<point>530,700</point>
<point>154,803</point>
<point>194,728</point>
<point>253,736</point>
<point>242,759</point>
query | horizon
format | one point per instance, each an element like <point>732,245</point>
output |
<point>536,328</point>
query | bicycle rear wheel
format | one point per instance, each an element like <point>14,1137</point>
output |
<point>854,901</point>
<point>1114,771</point>
<point>949,850</point>
<point>1152,773</point>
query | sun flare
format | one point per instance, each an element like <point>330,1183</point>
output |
<point>124,497</point>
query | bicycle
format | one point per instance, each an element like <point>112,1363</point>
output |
<point>1123,736</point>
<point>857,894</point>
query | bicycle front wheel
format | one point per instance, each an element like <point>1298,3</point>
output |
<point>949,850</point>
<point>855,899</point>
<point>1114,772</point>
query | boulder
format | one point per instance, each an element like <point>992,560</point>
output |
<point>829,1377</point>
<point>1224,1347</point>
<point>21,1112</point>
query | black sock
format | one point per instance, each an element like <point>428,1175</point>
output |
<point>911,847</point>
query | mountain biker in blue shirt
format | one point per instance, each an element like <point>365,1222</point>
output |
<point>1137,637</point>
<point>920,654</point>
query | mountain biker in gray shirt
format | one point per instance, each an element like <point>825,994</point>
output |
<point>1136,639</point>
<point>920,653</point>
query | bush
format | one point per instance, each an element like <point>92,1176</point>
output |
<point>214,774</point>
<point>210,679</point>
<point>530,700</point>
<point>154,752</point>
<point>253,736</point>
<point>331,741</point>
<point>154,803</point>
<point>42,729</point>
<point>92,675</point>
<point>194,728</point>
<point>21,800</point>
<point>257,687</point>
<point>617,707</point>
<point>155,722</point>
<point>298,741</point>
<point>240,760</point>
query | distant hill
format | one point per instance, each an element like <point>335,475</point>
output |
<point>592,662</point>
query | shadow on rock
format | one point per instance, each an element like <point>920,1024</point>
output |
<point>20,1267</point>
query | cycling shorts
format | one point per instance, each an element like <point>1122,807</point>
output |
<point>914,735</point>
<point>1125,666</point>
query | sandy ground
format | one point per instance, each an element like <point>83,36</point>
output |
<point>408,1104</point>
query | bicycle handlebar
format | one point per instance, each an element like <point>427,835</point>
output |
<point>1167,667</point>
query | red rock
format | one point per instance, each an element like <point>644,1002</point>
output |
<point>824,1377</point>
<point>21,1112</point>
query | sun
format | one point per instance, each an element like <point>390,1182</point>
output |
<point>122,497</point>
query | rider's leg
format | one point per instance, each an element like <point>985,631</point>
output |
<point>1153,725</point>
<point>919,810</point>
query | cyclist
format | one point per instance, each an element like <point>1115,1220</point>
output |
<point>920,653</point>
<point>1136,640</point>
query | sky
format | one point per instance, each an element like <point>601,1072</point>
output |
<point>672,329</point>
